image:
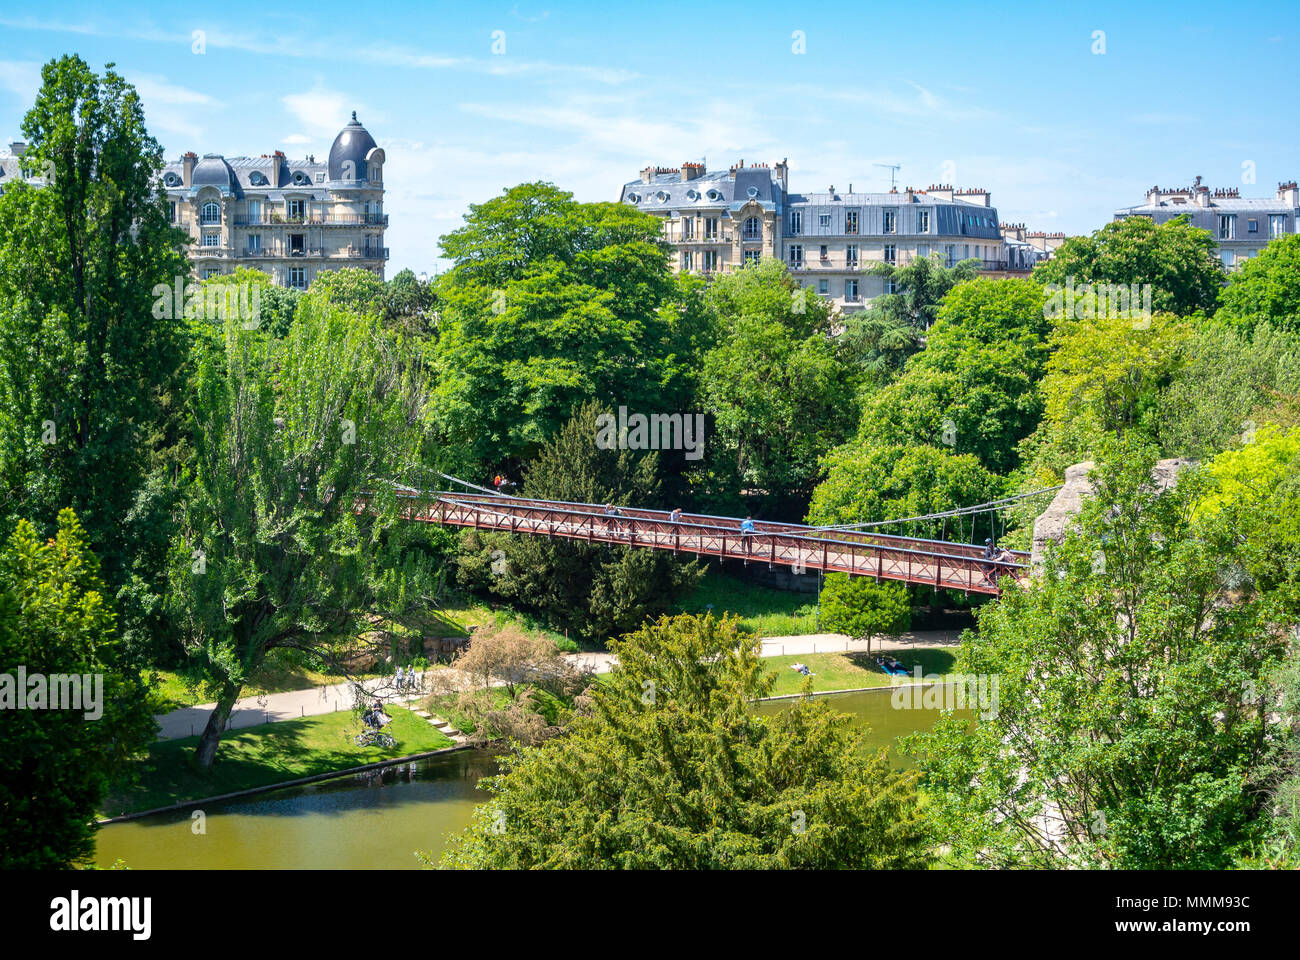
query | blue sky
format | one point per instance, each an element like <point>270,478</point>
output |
<point>585,94</point>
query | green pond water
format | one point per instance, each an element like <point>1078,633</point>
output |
<point>378,819</point>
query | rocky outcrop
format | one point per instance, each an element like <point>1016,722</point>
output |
<point>1051,525</point>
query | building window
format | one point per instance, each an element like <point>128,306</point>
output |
<point>686,260</point>
<point>688,228</point>
<point>923,221</point>
<point>851,255</point>
<point>172,207</point>
<point>950,254</point>
<point>254,243</point>
<point>254,211</point>
<point>212,240</point>
<point>294,208</point>
<point>298,277</point>
<point>1252,226</point>
<point>751,256</point>
<point>297,245</point>
<point>796,254</point>
<point>753,229</point>
<point>1276,224</point>
<point>710,261</point>
<point>923,250</point>
<point>211,272</point>
<point>891,285</point>
<point>710,228</point>
<point>850,221</point>
<point>891,221</point>
<point>796,222</point>
<point>823,287</point>
<point>851,290</point>
<point>211,213</point>
<point>822,253</point>
<point>1227,226</point>
<point>823,220</point>
<point>1226,257</point>
<point>891,253</point>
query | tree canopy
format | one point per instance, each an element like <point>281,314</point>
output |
<point>672,769</point>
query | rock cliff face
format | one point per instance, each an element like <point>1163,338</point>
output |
<point>1051,525</point>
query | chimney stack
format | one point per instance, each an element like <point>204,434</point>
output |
<point>692,171</point>
<point>647,174</point>
<point>18,148</point>
<point>1288,193</point>
<point>187,168</point>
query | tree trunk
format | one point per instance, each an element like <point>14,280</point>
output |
<point>206,751</point>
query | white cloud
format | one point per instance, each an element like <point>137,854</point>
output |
<point>22,78</point>
<point>320,110</point>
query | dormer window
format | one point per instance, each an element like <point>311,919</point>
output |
<point>753,192</point>
<point>300,178</point>
<point>714,196</point>
<point>662,196</point>
<point>634,198</point>
<point>171,180</point>
<point>257,178</point>
<point>692,194</point>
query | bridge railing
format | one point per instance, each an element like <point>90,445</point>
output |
<point>882,556</point>
<point>947,547</point>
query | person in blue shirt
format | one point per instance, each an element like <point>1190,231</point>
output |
<point>747,525</point>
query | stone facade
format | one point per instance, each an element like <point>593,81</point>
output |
<point>1241,226</point>
<point>718,220</point>
<point>288,218</point>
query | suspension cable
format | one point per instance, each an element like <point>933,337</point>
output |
<point>992,505</point>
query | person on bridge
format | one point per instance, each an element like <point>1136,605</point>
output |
<point>747,525</point>
<point>990,554</point>
<point>676,515</point>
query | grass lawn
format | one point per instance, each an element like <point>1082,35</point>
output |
<point>266,754</point>
<point>847,671</point>
<point>762,610</point>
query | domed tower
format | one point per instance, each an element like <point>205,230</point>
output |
<point>355,184</point>
<point>355,157</point>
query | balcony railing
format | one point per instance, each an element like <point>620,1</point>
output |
<point>313,220</point>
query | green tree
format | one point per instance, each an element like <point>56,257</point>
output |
<point>55,764</point>
<point>861,607</point>
<point>882,336</point>
<point>273,552</point>
<point>1128,722</point>
<point>409,305</point>
<point>975,386</point>
<point>351,288</point>
<point>1266,288</point>
<point>1175,258</point>
<point>672,769</point>
<point>89,374</point>
<point>866,483</point>
<point>1109,372</point>
<point>552,303</point>
<point>1226,380</point>
<point>778,389</point>
<point>595,591</point>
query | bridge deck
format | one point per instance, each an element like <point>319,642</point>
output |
<point>956,566</point>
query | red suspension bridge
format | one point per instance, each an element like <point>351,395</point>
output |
<point>937,563</point>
